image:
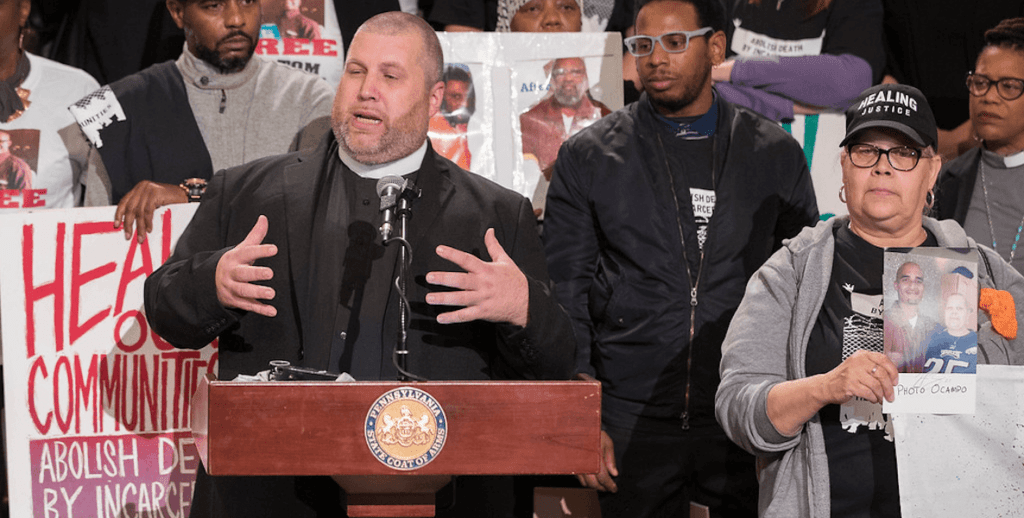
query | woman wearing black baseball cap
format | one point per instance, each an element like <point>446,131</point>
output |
<point>791,367</point>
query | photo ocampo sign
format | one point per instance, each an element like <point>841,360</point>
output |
<point>931,328</point>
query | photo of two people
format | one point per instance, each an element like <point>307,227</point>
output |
<point>930,317</point>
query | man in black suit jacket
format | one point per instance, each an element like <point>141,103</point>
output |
<point>283,261</point>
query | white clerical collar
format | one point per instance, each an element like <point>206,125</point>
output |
<point>400,167</point>
<point>1014,160</point>
<point>1003,162</point>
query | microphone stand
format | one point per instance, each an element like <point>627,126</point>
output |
<point>404,212</point>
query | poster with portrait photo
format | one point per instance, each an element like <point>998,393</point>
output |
<point>275,11</point>
<point>303,34</point>
<point>511,73</point>
<point>19,158</point>
<point>453,132</point>
<point>555,100</point>
<point>931,324</point>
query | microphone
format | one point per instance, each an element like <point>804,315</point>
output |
<point>388,188</point>
<point>404,211</point>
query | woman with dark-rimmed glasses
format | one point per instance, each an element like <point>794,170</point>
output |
<point>983,189</point>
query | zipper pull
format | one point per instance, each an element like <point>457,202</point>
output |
<point>685,416</point>
<point>223,101</point>
<point>693,296</point>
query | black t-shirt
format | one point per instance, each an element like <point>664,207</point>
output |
<point>859,264</point>
<point>689,149</point>
<point>846,26</point>
<point>858,439</point>
<point>480,14</point>
<point>932,45</point>
<point>483,14</point>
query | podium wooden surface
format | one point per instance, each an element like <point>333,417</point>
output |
<point>318,428</point>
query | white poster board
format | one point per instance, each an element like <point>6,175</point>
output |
<point>309,40</point>
<point>966,465</point>
<point>97,405</point>
<point>510,74</point>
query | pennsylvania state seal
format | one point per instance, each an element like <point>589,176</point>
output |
<point>406,428</point>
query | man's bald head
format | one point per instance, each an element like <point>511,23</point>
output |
<point>907,267</point>
<point>397,22</point>
<point>909,283</point>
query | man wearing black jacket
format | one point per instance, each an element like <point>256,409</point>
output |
<point>283,261</point>
<point>658,215</point>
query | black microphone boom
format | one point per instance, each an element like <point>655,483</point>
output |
<point>388,188</point>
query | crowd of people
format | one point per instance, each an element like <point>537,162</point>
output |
<point>683,261</point>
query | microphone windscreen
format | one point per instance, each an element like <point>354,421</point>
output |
<point>388,188</point>
<point>383,183</point>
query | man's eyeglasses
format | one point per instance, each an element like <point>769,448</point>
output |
<point>673,42</point>
<point>901,158</point>
<point>1009,88</point>
<point>574,72</point>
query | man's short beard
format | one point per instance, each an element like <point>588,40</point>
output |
<point>673,105</point>
<point>225,66</point>
<point>392,145</point>
<point>569,98</point>
<point>688,96</point>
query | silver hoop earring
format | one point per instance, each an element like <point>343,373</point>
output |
<point>929,200</point>
<point>842,193</point>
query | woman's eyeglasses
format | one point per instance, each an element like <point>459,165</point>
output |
<point>901,158</point>
<point>1009,88</point>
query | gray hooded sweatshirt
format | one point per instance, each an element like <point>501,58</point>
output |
<point>767,344</point>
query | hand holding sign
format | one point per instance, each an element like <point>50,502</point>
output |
<point>135,211</point>
<point>236,275</point>
<point>865,374</point>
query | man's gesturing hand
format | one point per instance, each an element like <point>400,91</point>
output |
<point>496,291</point>
<point>236,274</point>
<point>135,211</point>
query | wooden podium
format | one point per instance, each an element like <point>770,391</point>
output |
<point>379,440</point>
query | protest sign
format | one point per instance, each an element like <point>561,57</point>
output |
<point>304,35</point>
<point>97,405</point>
<point>510,74</point>
<point>966,464</point>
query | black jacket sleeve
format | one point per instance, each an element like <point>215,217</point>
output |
<point>545,348</point>
<point>181,296</point>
